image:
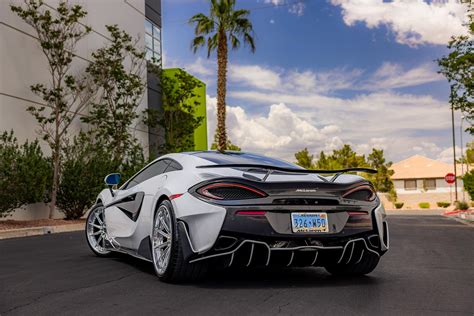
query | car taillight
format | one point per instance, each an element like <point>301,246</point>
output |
<point>230,191</point>
<point>360,193</point>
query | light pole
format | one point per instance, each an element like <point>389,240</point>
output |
<point>454,156</point>
<point>462,157</point>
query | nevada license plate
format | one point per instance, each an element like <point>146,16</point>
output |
<point>309,222</point>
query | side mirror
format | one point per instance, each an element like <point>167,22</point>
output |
<point>111,180</point>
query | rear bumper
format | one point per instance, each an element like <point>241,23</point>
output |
<point>259,241</point>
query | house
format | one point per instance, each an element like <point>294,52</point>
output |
<point>421,179</point>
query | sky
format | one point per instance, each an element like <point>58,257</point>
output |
<point>330,72</point>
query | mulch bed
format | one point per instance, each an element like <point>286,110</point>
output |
<point>12,224</point>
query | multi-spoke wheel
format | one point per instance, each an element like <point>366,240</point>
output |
<point>167,248</point>
<point>162,239</point>
<point>96,231</point>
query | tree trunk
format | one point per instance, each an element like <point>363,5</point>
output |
<point>54,189</point>
<point>221,90</point>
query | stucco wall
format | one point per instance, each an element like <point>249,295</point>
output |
<point>23,64</point>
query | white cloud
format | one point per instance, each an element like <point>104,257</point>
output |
<point>272,21</point>
<point>414,22</point>
<point>280,132</point>
<point>256,76</point>
<point>387,76</point>
<point>391,76</point>
<point>296,8</point>
<point>446,154</point>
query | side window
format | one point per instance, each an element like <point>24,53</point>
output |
<point>152,170</point>
<point>173,166</point>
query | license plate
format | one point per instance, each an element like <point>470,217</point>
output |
<point>309,222</point>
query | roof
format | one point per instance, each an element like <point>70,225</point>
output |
<point>420,167</point>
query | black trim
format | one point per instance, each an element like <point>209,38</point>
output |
<point>288,170</point>
<point>130,205</point>
<point>144,249</point>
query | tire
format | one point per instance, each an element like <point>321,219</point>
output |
<point>177,270</point>
<point>366,265</point>
<point>97,245</point>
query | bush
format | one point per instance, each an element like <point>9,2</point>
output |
<point>443,204</point>
<point>85,166</point>
<point>468,181</point>
<point>25,175</point>
<point>462,205</point>
<point>424,205</point>
<point>399,205</point>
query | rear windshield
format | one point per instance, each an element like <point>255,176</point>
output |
<point>236,157</point>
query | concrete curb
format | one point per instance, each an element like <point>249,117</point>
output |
<point>42,230</point>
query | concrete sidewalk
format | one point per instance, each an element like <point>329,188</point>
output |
<point>42,230</point>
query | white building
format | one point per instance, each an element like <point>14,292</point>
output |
<point>23,63</point>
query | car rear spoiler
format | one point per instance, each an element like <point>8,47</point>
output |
<point>271,169</point>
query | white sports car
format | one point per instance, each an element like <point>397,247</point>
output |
<point>185,212</point>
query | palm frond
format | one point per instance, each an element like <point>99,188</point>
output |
<point>197,42</point>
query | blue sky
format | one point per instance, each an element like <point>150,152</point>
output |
<point>330,72</point>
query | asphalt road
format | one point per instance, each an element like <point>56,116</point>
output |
<point>428,271</point>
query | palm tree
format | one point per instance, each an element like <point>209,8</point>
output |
<point>225,25</point>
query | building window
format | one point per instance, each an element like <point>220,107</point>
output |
<point>429,184</point>
<point>152,41</point>
<point>410,184</point>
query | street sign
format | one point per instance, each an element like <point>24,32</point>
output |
<point>450,178</point>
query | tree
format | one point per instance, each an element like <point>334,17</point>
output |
<point>468,180</point>
<point>25,175</point>
<point>346,157</point>
<point>177,116</point>
<point>382,179</point>
<point>223,26</point>
<point>84,168</point>
<point>65,95</point>
<point>304,159</point>
<point>342,158</point>
<point>229,146</point>
<point>458,68</point>
<point>117,73</point>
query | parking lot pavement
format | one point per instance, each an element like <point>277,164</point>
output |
<point>428,271</point>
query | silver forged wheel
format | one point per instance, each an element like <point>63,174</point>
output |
<point>97,231</point>
<point>162,239</point>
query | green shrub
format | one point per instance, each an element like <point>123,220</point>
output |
<point>399,205</point>
<point>468,181</point>
<point>461,205</point>
<point>84,168</point>
<point>25,174</point>
<point>443,204</point>
<point>424,205</point>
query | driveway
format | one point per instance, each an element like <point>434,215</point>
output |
<point>428,271</point>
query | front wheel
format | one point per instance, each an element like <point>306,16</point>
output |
<point>167,251</point>
<point>365,265</point>
<point>96,231</point>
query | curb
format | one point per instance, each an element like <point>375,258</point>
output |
<point>38,231</point>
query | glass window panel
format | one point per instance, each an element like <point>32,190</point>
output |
<point>410,184</point>
<point>429,184</point>
<point>149,54</point>
<point>148,27</point>
<point>148,41</point>
<point>156,46</point>
<point>156,31</point>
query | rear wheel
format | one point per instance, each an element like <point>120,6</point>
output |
<point>366,265</point>
<point>96,231</point>
<point>168,257</point>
